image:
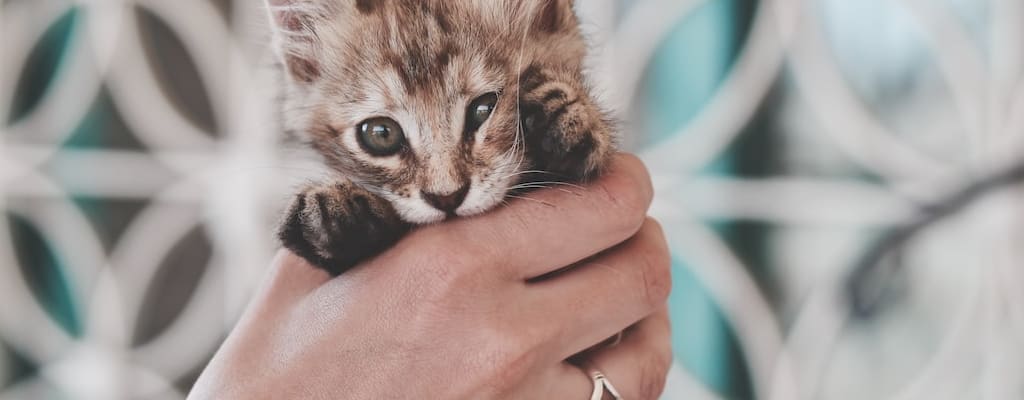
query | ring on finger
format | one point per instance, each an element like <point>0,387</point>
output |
<point>601,386</point>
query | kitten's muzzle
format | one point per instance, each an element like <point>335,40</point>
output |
<point>447,202</point>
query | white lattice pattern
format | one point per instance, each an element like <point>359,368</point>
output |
<point>967,273</point>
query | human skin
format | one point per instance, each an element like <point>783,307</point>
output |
<point>475,308</point>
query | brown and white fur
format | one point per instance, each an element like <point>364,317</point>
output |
<point>421,63</point>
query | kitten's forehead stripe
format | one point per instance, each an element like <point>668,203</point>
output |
<point>444,57</point>
<point>423,54</point>
<point>367,6</point>
<point>443,21</point>
<point>416,69</point>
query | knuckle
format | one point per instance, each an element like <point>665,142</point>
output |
<point>628,207</point>
<point>442,279</point>
<point>628,195</point>
<point>654,228</point>
<point>653,377</point>
<point>497,233</point>
<point>473,258</point>
<point>635,177</point>
<point>508,364</point>
<point>516,368</point>
<point>661,357</point>
<point>447,276</point>
<point>628,192</point>
<point>656,269</point>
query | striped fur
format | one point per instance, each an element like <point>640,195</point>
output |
<point>421,63</point>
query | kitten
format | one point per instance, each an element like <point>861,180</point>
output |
<point>429,109</point>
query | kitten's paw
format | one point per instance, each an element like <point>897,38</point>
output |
<point>567,134</point>
<point>336,226</point>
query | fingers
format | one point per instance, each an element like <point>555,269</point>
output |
<point>554,227</point>
<point>637,367</point>
<point>604,295</point>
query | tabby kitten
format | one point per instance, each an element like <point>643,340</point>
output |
<point>429,109</point>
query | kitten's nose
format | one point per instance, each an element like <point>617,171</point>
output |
<point>447,202</point>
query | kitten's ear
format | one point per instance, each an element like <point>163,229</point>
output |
<point>295,22</point>
<point>555,16</point>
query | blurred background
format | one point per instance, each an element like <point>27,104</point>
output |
<point>839,181</point>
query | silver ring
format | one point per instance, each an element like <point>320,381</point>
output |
<point>602,386</point>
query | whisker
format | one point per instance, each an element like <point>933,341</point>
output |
<point>556,183</point>
<point>539,172</point>
<point>526,173</point>
<point>520,134</point>
<point>531,199</point>
<point>567,191</point>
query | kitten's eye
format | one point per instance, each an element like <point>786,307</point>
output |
<point>381,136</point>
<point>479,111</point>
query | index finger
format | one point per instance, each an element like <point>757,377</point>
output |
<point>555,228</point>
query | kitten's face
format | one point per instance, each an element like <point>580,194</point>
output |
<point>418,100</point>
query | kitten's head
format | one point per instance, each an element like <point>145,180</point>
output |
<point>418,100</point>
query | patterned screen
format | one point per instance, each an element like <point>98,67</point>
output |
<point>838,180</point>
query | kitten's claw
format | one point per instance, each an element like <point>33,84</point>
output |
<point>568,134</point>
<point>336,226</point>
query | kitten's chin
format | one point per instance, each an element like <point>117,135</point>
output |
<point>478,209</point>
<point>418,212</point>
<point>415,211</point>
<point>421,215</point>
<point>479,201</point>
<point>424,215</point>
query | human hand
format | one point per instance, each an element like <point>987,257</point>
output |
<point>477,308</point>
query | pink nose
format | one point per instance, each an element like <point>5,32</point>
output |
<point>447,202</point>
